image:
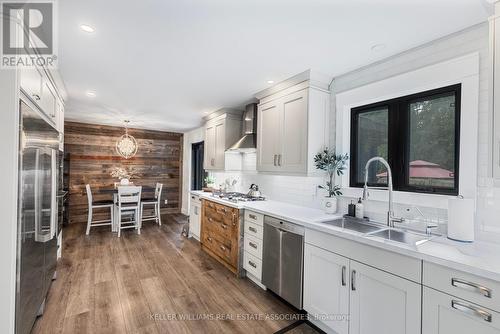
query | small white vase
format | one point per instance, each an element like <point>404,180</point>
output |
<point>124,182</point>
<point>330,205</point>
<point>211,185</point>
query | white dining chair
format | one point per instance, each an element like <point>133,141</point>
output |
<point>129,205</point>
<point>97,205</point>
<point>155,203</point>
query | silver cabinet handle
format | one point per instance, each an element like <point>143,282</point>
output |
<point>471,310</point>
<point>224,226</point>
<point>36,97</point>
<point>343,275</point>
<point>279,160</point>
<point>252,229</point>
<point>254,217</point>
<point>252,245</point>
<point>460,283</point>
<point>353,280</point>
<point>252,264</point>
<point>223,248</point>
<point>274,160</point>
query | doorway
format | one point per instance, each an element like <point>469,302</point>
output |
<point>198,173</point>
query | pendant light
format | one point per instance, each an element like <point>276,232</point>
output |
<point>126,146</point>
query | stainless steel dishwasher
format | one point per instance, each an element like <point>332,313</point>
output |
<point>282,264</point>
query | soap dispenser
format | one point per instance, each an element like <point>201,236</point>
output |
<point>360,209</point>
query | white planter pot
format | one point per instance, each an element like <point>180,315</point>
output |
<point>124,182</point>
<point>329,204</point>
<point>211,185</point>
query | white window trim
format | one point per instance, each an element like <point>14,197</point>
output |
<point>462,70</point>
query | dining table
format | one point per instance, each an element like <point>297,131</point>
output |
<point>114,192</point>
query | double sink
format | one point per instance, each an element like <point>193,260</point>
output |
<point>370,229</point>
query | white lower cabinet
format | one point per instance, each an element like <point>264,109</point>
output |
<point>326,287</point>
<point>445,314</point>
<point>383,303</point>
<point>195,217</point>
<point>344,296</point>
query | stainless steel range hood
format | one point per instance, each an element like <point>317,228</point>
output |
<point>248,142</point>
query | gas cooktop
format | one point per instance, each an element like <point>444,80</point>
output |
<point>237,197</point>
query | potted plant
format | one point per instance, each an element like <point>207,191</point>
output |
<point>210,182</point>
<point>333,164</point>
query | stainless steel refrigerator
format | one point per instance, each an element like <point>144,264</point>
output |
<point>37,215</point>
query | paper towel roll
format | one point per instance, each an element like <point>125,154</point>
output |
<point>461,219</point>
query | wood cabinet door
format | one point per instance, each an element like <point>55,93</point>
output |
<point>220,144</point>
<point>326,287</point>
<point>383,303</point>
<point>209,147</point>
<point>269,136</point>
<point>293,152</point>
<point>444,314</point>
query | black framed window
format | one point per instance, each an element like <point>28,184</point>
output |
<point>419,135</point>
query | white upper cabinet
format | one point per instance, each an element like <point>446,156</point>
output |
<point>495,86</point>
<point>269,139</point>
<point>222,129</point>
<point>292,124</point>
<point>43,93</point>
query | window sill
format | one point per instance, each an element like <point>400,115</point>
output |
<point>402,197</point>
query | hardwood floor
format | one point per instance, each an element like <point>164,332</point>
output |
<point>139,283</point>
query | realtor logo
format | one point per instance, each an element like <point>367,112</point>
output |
<point>28,32</point>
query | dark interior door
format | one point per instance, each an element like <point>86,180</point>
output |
<point>198,173</point>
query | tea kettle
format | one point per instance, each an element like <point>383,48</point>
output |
<point>254,191</point>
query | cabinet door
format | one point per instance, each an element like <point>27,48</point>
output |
<point>444,314</point>
<point>210,147</point>
<point>326,287</point>
<point>220,144</point>
<point>48,101</point>
<point>31,83</point>
<point>383,303</point>
<point>195,220</point>
<point>293,153</point>
<point>495,26</point>
<point>269,136</point>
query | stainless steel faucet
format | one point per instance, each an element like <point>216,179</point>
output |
<point>391,219</point>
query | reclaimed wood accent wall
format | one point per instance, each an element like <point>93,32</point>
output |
<point>90,155</point>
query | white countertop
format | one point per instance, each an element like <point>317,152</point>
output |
<point>479,258</point>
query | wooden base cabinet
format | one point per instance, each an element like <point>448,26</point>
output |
<point>445,314</point>
<point>326,288</point>
<point>383,303</point>
<point>221,235</point>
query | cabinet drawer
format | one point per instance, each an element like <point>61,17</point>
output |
<point>253,265</point>
<point>253,217</point>
<point>219,246</point>
<point>254,230</point>
<point>445,314</point>
<point>253,245</point>
<point>467,286</point>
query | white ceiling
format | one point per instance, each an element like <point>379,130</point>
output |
<point>164,63</point>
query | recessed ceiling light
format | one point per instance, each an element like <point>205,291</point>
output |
<point>90,93</point>
<point>87,28</point>
<point>270,81</point>
<point>378,47</point>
